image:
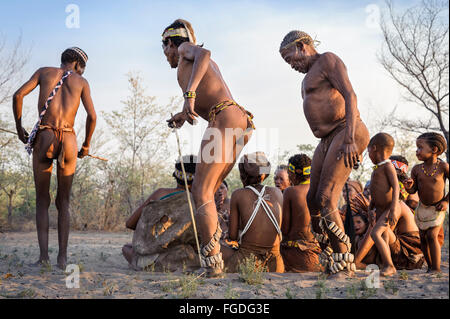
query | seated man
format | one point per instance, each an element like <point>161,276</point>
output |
<point>256,213</point>
<point>299,249</point>
<point>162,193</point>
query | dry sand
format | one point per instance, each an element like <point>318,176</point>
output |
<point>105,274</point>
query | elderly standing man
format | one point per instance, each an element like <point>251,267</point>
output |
<point>330,107</point>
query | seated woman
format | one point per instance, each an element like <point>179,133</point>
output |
<point>162,193</point>
<point>299,248</point>
<point>255,218</point>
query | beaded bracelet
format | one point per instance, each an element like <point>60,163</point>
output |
<point>190,95</point>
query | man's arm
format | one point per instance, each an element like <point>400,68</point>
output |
<point>233,229</point>
<point>90,120</point>
<point>18,96</point>
<point>336,72</point>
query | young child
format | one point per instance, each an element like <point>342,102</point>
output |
<point>385,190</point>
<point>401,167</point>
<point>428,179</point>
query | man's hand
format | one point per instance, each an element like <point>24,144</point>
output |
<point>442,206</point>
<point>177,120</point>
<point>84,151</point>
<point>23,135</point>
<point>188,109</point>
<point>350,153</point>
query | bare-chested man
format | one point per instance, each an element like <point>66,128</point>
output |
<point>299,248</point>
<point>330,107</point>
<point>255,218</point>
<point>206,95</point>
<point>54,138</point>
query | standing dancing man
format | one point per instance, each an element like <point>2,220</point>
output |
<point>330,107</point>
<point>53,137</point>
<point>207,95</point>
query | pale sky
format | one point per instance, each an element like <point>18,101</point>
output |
<point>244,38</point>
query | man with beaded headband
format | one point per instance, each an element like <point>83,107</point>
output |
<point>330,107</point>
<point>53,137</point>
<point>206,95</point>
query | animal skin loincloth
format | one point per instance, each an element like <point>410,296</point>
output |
<point>301,255</point>
<point>216,109</point>
<point>427,217</point>
<point>326,141</point>
<point>57,142</point>
<point>406,252</point>
<point>269,257</point>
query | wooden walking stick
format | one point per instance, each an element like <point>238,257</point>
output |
<point>187,192</point>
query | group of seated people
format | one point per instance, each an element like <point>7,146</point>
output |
<point>273,224</point>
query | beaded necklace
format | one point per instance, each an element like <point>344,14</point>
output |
<point>434,169</point>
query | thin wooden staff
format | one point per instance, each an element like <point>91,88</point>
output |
<point>93,156</point>
<point>187,191</point>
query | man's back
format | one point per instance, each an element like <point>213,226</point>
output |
<point>262,232</point>
<point>64,106</point>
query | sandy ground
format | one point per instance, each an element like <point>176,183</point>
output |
<point>105,274</point>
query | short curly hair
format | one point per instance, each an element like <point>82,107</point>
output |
<point>300,161</point>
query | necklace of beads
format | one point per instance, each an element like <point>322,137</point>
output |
<point>434,169</point>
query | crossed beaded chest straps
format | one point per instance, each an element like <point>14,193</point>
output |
<point>32,136</point>
<point>261,201</point>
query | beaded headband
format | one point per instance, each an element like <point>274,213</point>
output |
<point>305,171</point>
<point>315,43</point>
<point>81,53</point>
<point>400,166</point>
<point>179,32</point>
<point>179,175</point>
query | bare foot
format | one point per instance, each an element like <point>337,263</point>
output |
<point>388,271</point>
<point>341,275</point>
<point>434,271</point>
<point>41,262</point>
<point>62,262</point>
